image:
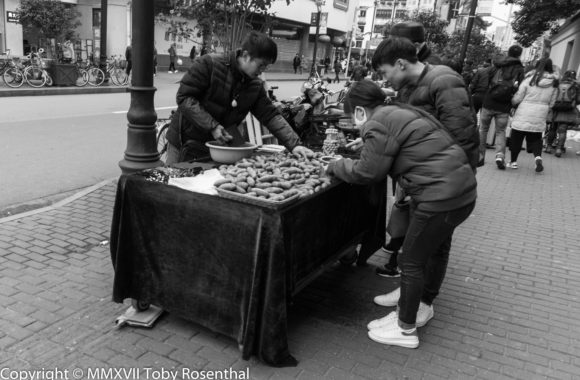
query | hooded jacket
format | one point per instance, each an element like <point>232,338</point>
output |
<point>205,99</point>
<point>441,92</point>
<point>512,69</point>
<point>414,149</point>
<point>533,103</point>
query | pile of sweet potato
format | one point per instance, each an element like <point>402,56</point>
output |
<point>274,177</point>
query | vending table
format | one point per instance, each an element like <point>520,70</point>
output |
<point>231,266</point>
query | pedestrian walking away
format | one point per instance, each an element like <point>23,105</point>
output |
<point>128,58</point>
<point>337,71</point>
<point>217,93</point>
<point>154,60</point>
<point>172,58</point>
<point>564,113</point>
<point>535,96</point>
<point>504,79</point>
<point>192,53</point>
<point>414,149</point>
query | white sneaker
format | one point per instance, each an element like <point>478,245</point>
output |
<point>512,165</point>
<point>389,299</point>
<point>394,335</point>
<point>424,315</point>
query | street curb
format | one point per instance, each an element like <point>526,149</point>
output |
<point>60,203</point>
<point>63,91</point>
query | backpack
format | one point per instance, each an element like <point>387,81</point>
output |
<point>566,100</point>
<point>501,89</point>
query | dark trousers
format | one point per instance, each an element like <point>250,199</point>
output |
<point>423,261</point>
<point>533,143</point>
<point>171,66</point>
<point>337,77</point>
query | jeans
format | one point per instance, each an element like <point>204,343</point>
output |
<point>501,121</point>
<point>533,142</point>
<point>423,261</point>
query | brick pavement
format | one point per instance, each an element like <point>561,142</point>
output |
<point>508,307</point>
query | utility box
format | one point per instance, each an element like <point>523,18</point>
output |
<point>63,74</point>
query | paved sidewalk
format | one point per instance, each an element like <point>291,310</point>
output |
<point>160,79</point>
<point>508,307</point>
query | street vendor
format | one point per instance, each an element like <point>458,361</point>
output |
<point>216,94</point>
<point>413,148</point>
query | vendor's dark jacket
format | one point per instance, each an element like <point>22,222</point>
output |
<point>416,151</point>
<point>512,69</point>
<point>441,92</point>
<point>204,100</point>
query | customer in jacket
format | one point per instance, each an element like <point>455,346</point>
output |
<point>436,89</point>
<point>216,94</point>
<point>564,115</point>
<point>478,87</point>
<point>414,149</point>
<point>512,71</point>
<point>534,98</point>
<point>415,32</point>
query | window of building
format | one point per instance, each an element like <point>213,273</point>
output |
<point>96,17</point>
<point>363,13</point>
<point>384,13</point>
<point>378,28</point>
<point>361,28</point>
<point>400,13</point>
<point>358,43</point>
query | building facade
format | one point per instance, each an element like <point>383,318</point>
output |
<point>565,45</point>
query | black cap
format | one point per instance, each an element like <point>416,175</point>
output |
<point>409,29</point>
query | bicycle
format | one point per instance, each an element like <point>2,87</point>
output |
<point>117,74</point>
<point>161,126</point>
<point>35,74</point>
<point>12,71</point>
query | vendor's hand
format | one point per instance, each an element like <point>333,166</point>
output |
<point>300,151</point>
<point>355,145</point>
<point>220,135</point>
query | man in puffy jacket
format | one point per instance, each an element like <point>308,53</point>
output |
<point>434,88</point>
<point>511,71</point>
<point>216,94</point>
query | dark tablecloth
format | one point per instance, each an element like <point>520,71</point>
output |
<point>230,266</point>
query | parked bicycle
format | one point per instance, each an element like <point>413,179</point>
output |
<point>12,71</point>
<point>35,74</point>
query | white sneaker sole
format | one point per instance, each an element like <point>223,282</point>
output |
<point>418,323</point>
<point>407,343</point>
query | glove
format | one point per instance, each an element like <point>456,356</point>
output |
<point>220,135</point>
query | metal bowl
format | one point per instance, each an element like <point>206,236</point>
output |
<point>226,154</point>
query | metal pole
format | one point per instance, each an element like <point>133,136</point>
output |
<point>372,29</point>
<point>468,29</point>
<point>352,38</point>
<point>141,152</point>
<point>315,41</point>
<point>394,10</point>
<point>103,46</point>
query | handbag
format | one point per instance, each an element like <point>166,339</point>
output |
<point>399,220</point>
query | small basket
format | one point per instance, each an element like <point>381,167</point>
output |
<point>275,205</point>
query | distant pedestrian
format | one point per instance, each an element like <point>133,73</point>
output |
<point>478,87</point>
<point>505,77</point>
<point>154,61</point>
<point>296,63</point>
<point>358,73</point>
<point>128,59</point>
<point>535,96</point>
<point>172,58</point>
<point>564,113</point>
<point>192,53</point>
<point>203,50</point>
<point>337,70</point>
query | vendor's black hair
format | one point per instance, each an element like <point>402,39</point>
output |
<point>259,45</point>
<point>515,51</point>
<point>391,49</point>
<point>364,93</point>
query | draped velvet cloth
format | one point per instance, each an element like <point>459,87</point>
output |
<point>226,265</point>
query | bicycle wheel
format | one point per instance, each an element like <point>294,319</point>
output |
<point>96,76</point>
<point>119,77</point>
<point>13,77</point>
<point>82,79</point>
<point>162,140</point>
<point>34,76</point>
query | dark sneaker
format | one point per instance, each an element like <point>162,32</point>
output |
<point>558,152</point>
<point>539,165</point>
<point>500,162</point>
<point>480,163</point>
<point>548,150</point>
<point>388,271</point>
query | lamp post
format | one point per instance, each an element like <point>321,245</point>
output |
<point>467,33</point>
<point>319,4</point>
<point>395,3</point>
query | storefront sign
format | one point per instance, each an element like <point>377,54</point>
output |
<point>12,17</point>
